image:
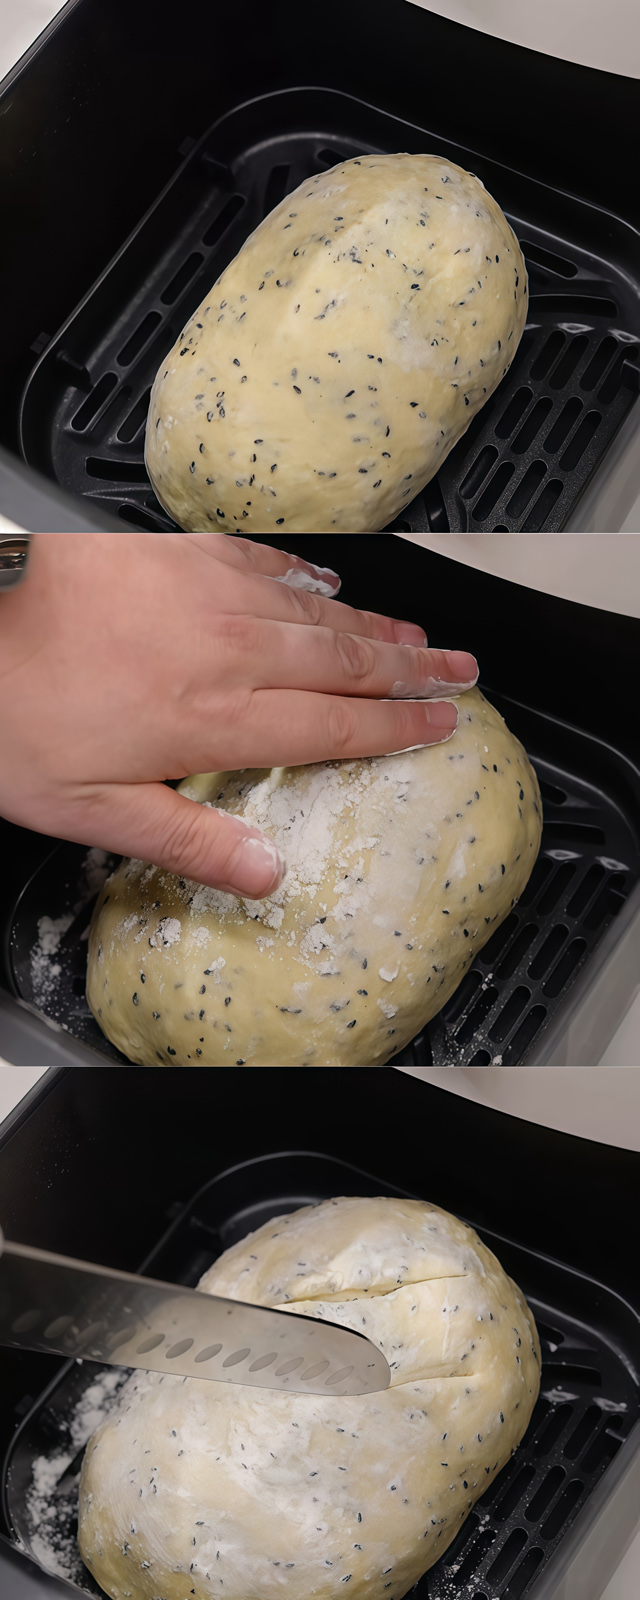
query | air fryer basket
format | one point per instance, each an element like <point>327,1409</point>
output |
<point>589,862</point>
<point>589,1403</point>
<point>526,457</point>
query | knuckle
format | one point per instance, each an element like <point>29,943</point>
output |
<point>355,656</point>
<point>375,627</point>
<point>342,727</point>
<point>308,606</point>
<point>184,839</point>
<point>246,550</point>
<point>238,635</point>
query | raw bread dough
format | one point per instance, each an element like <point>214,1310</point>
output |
<point>341,355</point>
<point>398,870</point>
<point>196,1489</point>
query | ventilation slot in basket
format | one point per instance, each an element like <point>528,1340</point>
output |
<point>135,420</point>
<point>548,260</point>
<point>223,220</point>
<point>94,402</point>
<point>137,340</point>
<point>181,278</point>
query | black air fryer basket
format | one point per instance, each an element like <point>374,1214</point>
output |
<point>531,1525</point>
<point>535,654</point>
<point>154,214</point>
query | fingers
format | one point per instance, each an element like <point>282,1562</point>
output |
<point>264,560</point>
<point>302,593</point>
<point>273,729</point>
<point>272,655</point>
<point>277,602</point>
<point>153,823</point>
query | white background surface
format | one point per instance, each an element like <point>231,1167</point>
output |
<point>594,569</point>
<point>20,23</point>
<point>588,31</point>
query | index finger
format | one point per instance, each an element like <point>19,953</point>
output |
<point>247,556</point>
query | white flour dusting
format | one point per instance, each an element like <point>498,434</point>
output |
<point>44,968</point>
<point>306,815</point>
<point>296,578</point>
<point>167,932</point>
<point>96,867</point>
<point>51,1505</point>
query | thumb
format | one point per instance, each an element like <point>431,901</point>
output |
<point>153,823</point>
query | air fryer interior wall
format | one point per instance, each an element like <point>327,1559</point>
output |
<point>59,167</point>
<point>60,1146</point>
<point>539,648</point>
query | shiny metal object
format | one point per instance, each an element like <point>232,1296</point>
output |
<point>52,1303</point>
<point>14,551</point>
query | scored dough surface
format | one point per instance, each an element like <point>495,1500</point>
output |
<point>341,355</point>
<point>399,868</point>
<point>194,1488</point>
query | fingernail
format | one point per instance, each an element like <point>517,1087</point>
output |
<point>463,667</point>
<point>258,867</point>
<point>434,688</point>
<point>410,633</point>
<point>442,714</point>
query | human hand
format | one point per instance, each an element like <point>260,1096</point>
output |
<point>128,659</point>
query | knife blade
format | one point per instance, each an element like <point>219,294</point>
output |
<point>76,1309</point>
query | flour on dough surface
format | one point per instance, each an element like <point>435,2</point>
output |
<point>257,1492</point>
<point>399,868</point>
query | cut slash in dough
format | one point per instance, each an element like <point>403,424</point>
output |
<point>200,1488</point>
<point>399,868</point>
<point>341,355</point>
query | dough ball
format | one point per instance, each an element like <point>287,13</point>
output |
<point>399,868</point>
<point>341,355</point>
<point>196,1488</point>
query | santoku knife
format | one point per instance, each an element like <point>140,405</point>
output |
<point>53,1303</point>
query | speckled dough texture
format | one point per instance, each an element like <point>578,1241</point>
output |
<point>341,355</point>
<point>398,870</point>
<point>196,1488</point>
